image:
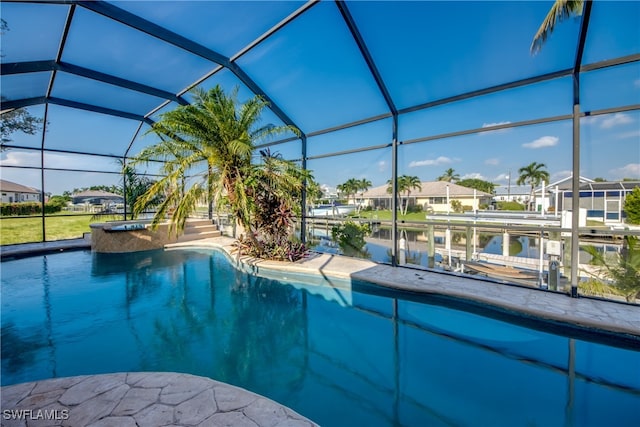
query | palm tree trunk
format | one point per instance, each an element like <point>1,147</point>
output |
<point>531,201</point>
<point>210,190</point>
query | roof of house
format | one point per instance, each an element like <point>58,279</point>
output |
<point>513,190</point>
<point>429,189</point>
<point>16,188</point>
<point>95,194</point>
<point>563,184</point>
<point>610,185</point>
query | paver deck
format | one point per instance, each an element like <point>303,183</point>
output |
<point>152,399</point>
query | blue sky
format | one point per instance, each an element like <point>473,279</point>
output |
<point>313,70</point>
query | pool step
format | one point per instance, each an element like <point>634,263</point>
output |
<point>199,229</point>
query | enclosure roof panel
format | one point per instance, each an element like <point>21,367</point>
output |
<point>323,66</point>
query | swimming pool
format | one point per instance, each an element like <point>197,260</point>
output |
<point>339,356</point>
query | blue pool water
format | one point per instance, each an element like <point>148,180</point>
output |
<point>339,357</point>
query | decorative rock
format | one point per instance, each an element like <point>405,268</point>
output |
<point>141,399</point>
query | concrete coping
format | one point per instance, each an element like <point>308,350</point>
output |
<point>141,399</point>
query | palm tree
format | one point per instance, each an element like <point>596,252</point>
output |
<point>363,185</point>
<point>314,192</point>
<point>449,175</point>
<point>405,184</point>
<point>210,141</point>
<point>561,10</point>
<point>533,174</point>
<point>135,186</point>
<point>351,186</point>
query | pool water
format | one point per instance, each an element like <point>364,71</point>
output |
<point>335,355</point>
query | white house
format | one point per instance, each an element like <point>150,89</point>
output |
<point>432,196</point>
<point>15,193</point>
<point>604,201</point>
<point>97,201</point>
<point>553,197</point>
<point>512,193</point>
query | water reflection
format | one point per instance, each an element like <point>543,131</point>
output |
<point>373,361</point>
<point>425,247</point>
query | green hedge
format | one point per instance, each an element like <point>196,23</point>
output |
<point>28,208</point>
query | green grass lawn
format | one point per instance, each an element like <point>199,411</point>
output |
<point>26,230</point>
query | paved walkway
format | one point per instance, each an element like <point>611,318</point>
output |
<point>25,249</point>
<point>141,399</point>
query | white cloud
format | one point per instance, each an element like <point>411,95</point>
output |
<point>488,125</point>
<point>590,120</point>
<point>492,162</point>
<point>632,134</point>
<point>442,160</point>
<point>382,166</point>
<point>501,177</point>
<point>474,175</point>
<point>542,142</point>
<point>20,158</point>
<point>615,120</point>
<point>632,170</point>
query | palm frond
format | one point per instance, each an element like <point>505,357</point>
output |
<point>561,10</point>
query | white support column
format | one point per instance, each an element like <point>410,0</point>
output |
<point>505,244</point>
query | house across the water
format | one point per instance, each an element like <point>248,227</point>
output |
<point>13,192</point>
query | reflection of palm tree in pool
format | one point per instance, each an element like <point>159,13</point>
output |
<point>18,349</point>
<point>252,335</point>
<point>253,343</point>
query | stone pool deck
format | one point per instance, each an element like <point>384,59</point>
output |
<point>140,399</point>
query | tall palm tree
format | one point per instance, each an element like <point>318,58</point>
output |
<point>449,175</point>
<point>135,186</point>
<point>314,192</point>
<point>532,174</point>
<point>561,10</point>
<point>406,183</point>
<point>208,144</point>
<point>351,186</point>
<point>363,185</point>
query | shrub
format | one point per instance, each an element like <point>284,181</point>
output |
<point>414,209</point>
<point>28,208</point>
<point>456,206</point>
<point>621,270</point>
<point>350,237</point>
<point>510,206</point>
<point>286,251</point>
<point>632,206</point>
